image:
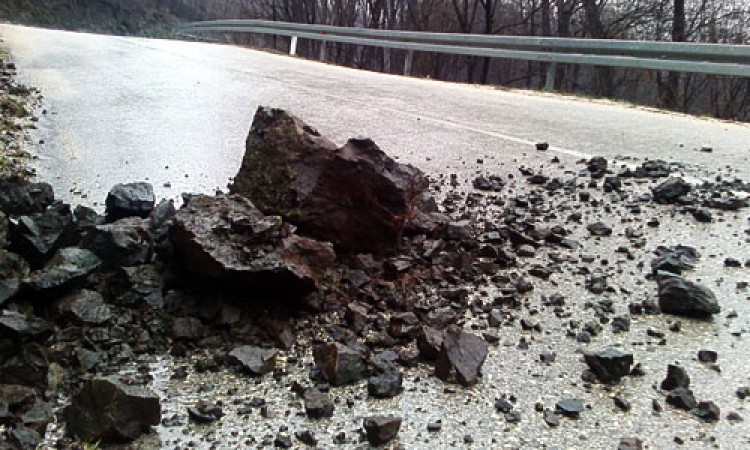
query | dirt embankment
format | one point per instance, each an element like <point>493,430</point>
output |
<point>16,105</point>
<point>124,17</point>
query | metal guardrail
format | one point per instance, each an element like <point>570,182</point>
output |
<point>714,59</point>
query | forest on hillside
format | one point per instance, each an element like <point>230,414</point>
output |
<point>706,21</point>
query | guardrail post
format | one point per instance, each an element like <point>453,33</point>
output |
<point>551,73</point>
<point>293,46</point>
<point>323,45</point>
<point>408,62</point>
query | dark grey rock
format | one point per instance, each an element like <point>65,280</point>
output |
<point>702,215</point>
<point>569,407</point>
<point>670,190</point>
<point>677,377</point>
<point>675,259</point>
<point>161,219</point>
<point>307,437</point>
<point>83,307</point>
<point>24,438</point>
<point>317,404</point>
<point>429,342</point>
<point>386,384</point>
<point>108,410</point>
<point>187,328</point>
<point>609,365</point>
<point>125,242</point>
<point>597,166</point>
<point>68,267</point>
<point>404,325</point>
<point>22,328</point>
<point>630,444</point>
<point>13,269</point>
<point>682,398</point>
<point>27,367</point>
<point>226,238</point>
<point>707,356</point>
<point>726,203</point>
<point>707,411</point>
<point>130,200</point>
<point>622,403</point>
<point>461,356</point>
<point>381,429</point>
<point>18,197</point>
<point>551,419</point>
<point>491,183</point>
<point>254,360</point>
<point>38,236</point>
<point>339,364</point>
<point>685,298</point>
<point>132,285</point>
<point>599,229</point>
<point>743,392</point>
<point>204,413</point>
<point>3,230</point>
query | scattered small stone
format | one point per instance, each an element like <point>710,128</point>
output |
<point>317,404</point>
<point>682,297</point>
<point>707,411</point>
<point>381,429</point>
<point>205,413</point>
<point>630,444</point>
<point>622,403</point>
<point>677,377</point>
<point>682,398</point>
<point>609,365</point>
<point>569,407</point>
<point>707,356</point>
<point>599,229</point>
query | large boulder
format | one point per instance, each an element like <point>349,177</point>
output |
<point>354,196</point>
<point>130,200</point>
<point>227,238</point>
<point>108,410</point>
<point>682,297</point>
<point>461,357</point>
<point>13,269</point>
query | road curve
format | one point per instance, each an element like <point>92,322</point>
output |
<point>176,114</point>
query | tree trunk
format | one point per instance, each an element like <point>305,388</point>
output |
<point>670,89</point>
<point>595,27</point>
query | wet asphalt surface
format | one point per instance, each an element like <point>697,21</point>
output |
<point>176,113</point>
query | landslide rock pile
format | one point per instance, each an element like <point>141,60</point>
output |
<point>338,254</point>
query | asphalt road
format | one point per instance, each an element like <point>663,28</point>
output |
<point>176,114</point>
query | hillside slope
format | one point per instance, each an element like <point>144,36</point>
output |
<point>154,18</point>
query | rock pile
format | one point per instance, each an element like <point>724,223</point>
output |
<point>351,238</point>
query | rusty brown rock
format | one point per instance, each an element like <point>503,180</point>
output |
<point>226,238</point>
<point>356,196</point>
